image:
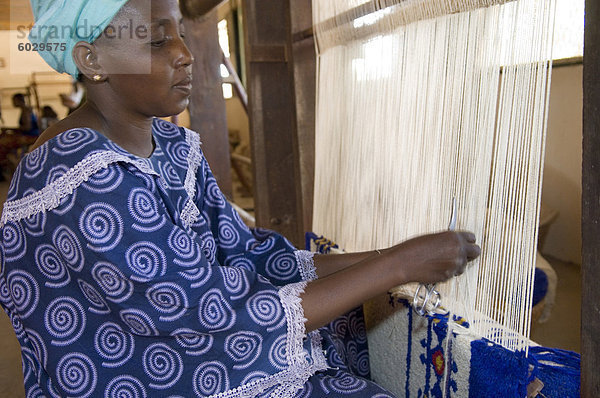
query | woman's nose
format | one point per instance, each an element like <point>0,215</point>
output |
<point>185,57</point>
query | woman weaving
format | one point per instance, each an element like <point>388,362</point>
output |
<point>126,272</point>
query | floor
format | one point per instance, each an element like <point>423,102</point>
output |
<point>562,330</point>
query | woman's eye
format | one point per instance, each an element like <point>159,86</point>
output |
<point>160,42</point>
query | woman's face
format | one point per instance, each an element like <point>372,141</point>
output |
<point>148,65</point>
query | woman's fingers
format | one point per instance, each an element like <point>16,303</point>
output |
<point>473,251</point>
<point>437,257</point>
<point>468,236</point>
<point>470,250</point>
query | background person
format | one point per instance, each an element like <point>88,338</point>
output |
<point>19,138</point>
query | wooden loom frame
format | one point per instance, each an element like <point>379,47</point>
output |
<point>283,59</point>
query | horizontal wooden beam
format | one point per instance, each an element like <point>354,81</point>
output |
<point>196,8</point>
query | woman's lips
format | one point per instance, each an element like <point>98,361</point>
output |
<point>185,85</point>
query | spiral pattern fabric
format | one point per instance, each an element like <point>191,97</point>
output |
<point>36,224</point>
<point>209,247</point>
<point>70,141</point>
<point>168,298</point>
<point>235,281</point>
<point>115,290</point>
<point>143,207</point>
<point>34,162</point>
<point>104,181</point>
<point>277,353</point>
<point>111,280</point>
<point>193,342</point>
<point>39,347</point>
<point>24,291</point>
<point>125,387</point>
<point>264,309</point>
<point>139,322</point>
<point>146,260</point>
<point>186,249</point>
<point>102,226</point>
<point>14,243</point>
<point>210,378</point>
<point>179,153</point>
<point>214,312</point>
<point>69,247</point>
<point>243,348</point>
<point>65,320</point>
<point>345,383</point>
<point>281,264</point>
<point>163,365</point>
<point>96,301</point>
<point>113,344</point>
<point>50,264</point>
<point>77,375</point>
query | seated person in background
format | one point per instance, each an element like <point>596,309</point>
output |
<point>49,117</point>
<point>126,272</point>
<point>21,137</point>
<point>28,123</point>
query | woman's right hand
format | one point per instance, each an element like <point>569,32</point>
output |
<point>427,259</point>
<point>433,258</point>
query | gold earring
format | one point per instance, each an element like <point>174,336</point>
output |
<point>97,78</point>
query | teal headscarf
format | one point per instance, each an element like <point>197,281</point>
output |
<point>59,21</point>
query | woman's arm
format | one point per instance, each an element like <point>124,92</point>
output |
<point>428,259</point>
<point>327,264</point>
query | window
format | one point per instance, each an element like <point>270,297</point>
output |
<point>568,35</point>
<point>224,43</point>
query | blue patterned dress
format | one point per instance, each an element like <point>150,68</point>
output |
<point>133,277</point>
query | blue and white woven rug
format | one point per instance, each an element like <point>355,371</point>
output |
<point>435,358</point>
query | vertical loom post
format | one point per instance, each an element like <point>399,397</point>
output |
<point>272,116</point>
<point>590,301</point>
<point>305,65</point>
<point>207,106</point>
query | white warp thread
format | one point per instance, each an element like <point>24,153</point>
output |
<point>411,115</point>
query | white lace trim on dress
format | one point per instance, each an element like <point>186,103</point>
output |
<point>190,212</point>
<point>306,264</point>
<point>300,367</point>
<point>49,197</point>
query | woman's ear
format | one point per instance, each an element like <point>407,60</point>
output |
<point>86,58</point>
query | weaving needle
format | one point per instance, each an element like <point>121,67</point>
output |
<point>430,292</point>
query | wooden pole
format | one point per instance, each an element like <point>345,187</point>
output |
<point>208,115</point>
<point>305,71</point>
<point>590,269</point>
<point>272,116</point>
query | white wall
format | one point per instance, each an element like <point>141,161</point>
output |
<point>562,170</point>
<point>237,119</point>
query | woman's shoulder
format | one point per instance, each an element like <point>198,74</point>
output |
<point>58,128</point>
